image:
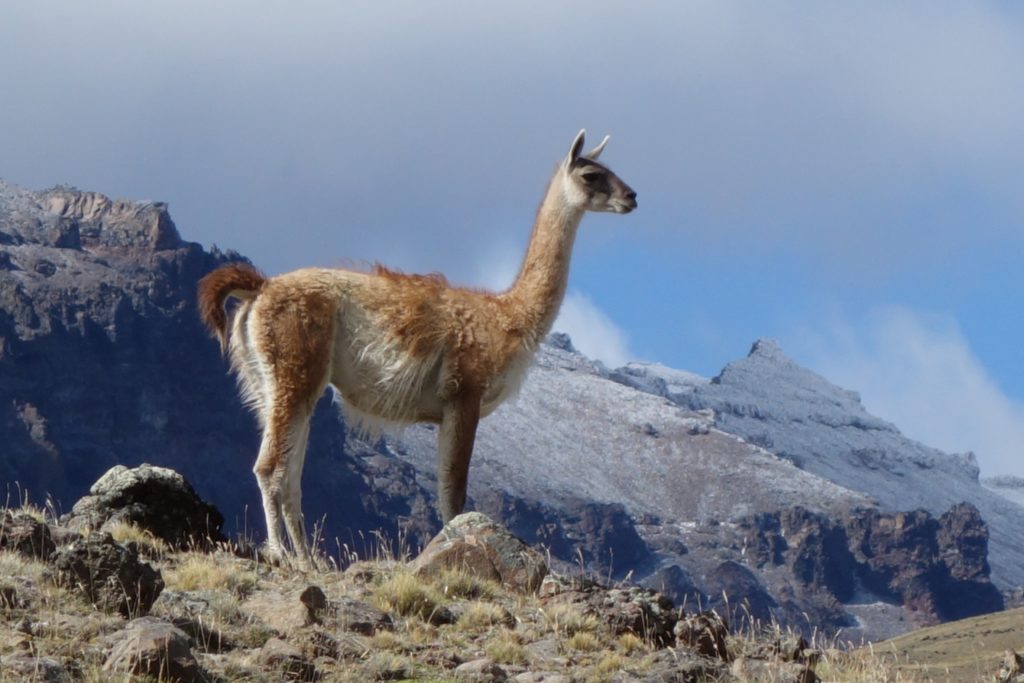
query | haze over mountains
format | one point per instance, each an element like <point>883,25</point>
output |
<point>765,481</point>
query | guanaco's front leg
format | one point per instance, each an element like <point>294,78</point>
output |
<point>454,449</point>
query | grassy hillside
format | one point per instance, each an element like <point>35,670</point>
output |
<point>958,652</point>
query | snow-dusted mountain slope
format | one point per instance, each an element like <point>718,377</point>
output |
<point>1011,488</point>
<point>769,400</point>
<point>574,433</point>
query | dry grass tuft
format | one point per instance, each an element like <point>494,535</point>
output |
<point>15,564</point>
<point>458,583</point>
<point>148,544</point>
<point>506,647</point>
<point>480,616</point>
<point>212,573</point>
<point>583,641</point>
<point>386,640</point>
<point>631,643</point>
<point>408,595</point>
<point>568,620</point>
<point>611,663</point>
<point>385,666</point>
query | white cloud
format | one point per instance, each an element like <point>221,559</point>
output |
<point>920,373</point>
<point>593,332</point>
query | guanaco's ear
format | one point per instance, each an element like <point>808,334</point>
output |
<point>574,150</point>
<point>596,152</point>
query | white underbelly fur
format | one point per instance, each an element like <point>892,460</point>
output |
<point>380,384</point>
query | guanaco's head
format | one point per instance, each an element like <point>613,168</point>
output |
<point>592,186</point>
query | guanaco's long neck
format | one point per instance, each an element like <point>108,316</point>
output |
<point>540,287</point>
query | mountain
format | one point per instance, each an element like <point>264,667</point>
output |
<point>766,483</point>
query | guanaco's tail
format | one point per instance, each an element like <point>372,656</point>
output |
<point>237,280</point>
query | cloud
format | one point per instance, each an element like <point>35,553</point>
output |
<point>372,133</point>
<point>919,372</point>
<point>592,331</point>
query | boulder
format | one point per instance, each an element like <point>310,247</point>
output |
<point>287,660</point>
<point>314,602</point>
<point>480,671</point>
<point>1011,669</point>
<point>107,574</point>
<point>156,499</point>
<point>474,543</point>
<point>359,617</point>
<point>747,669</point>
<point>705,633</point>
<point>26,535</point>
<point>153,647</point>
<point>681,666</point>
<point>31,668</point>
<point>640,611</point>
<point>744,595</point>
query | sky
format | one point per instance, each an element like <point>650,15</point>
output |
<point>846,178</point>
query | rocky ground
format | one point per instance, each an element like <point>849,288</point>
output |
<point>131,587</point>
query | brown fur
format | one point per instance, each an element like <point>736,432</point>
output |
<point>398,347</point>
<point>233,279</point>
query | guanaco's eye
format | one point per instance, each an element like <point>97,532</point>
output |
<point>591,177</point>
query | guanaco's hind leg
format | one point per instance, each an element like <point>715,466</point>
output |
<point>283,447</point>
<point>294,344</point>
<point>454,449</point>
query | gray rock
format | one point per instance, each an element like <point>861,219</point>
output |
<point>1011,668</point>
<point>154,647</point>
<point>542,677</point>
<point>681,666</point>
<point>705,633</point>
<point>287,660</point>
<point>314,602</point>
<point>472,542</point>
<point>156,499</point>
<point>32,668</point>
<point>640,611</point>
<point>748,669</point>
<point>25,535</point>
<point>107,574</point>
<point>480,671</point>
<point>359,617</point>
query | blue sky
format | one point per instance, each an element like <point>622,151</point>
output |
<point>846,178</point>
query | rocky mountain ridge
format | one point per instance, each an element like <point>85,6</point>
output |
<point>686,484</point>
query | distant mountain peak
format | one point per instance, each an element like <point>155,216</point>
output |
<point>767,348</point>
<point>64,217</point>
<point>561,340</point>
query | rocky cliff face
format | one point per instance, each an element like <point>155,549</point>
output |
<point>762,483</point>
<point>103,361</point>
